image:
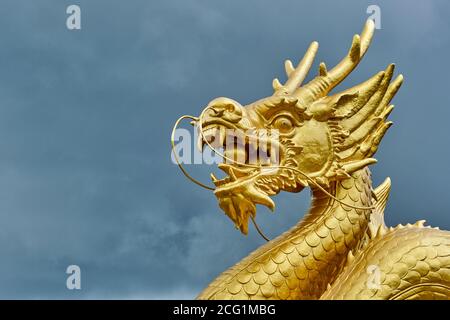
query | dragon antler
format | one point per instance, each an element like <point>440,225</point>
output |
<point>327,80</point>
<point>357,116</point>
<point>296,75</point>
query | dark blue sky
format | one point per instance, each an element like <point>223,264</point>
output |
<point>85,120</point>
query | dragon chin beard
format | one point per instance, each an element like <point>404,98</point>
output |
<point>238,198</point>
<point>246,185</point>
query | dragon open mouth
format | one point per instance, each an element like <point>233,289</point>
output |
<point>244,154</point>
<point>248,158</point>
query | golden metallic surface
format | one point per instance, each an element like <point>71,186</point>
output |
<point>341,249</point>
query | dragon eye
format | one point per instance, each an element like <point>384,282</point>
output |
<point>283,124</point>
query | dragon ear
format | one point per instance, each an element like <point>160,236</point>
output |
<point>325,109</point>
<point>320,110</point>
<point>346,101</point>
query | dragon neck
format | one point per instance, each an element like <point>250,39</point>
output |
<point>355,191</point>
<point>300,263</point>
<point>323,238</point>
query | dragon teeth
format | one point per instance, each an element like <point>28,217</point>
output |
<point>235,155</point>
<point>222,136</point>
<point>263,146</point>
<point>215,136</point>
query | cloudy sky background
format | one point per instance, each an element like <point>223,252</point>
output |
<point>85,120</point>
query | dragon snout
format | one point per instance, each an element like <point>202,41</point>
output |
<point>223,109</point>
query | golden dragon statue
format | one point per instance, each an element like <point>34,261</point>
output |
<point>341,248</point>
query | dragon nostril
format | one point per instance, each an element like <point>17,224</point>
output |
<point>230,108</point>
<point>224,109</point>
<point>227,112</point>
<point>217,112</point>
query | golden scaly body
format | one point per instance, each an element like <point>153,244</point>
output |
<point>414,261</point>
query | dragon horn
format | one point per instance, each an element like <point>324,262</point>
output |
<point>327,80</point>
<point>298,74</point>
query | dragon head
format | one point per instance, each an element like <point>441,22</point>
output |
<point>300,136</point>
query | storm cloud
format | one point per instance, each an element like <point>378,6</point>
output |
<point>85,120</point>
